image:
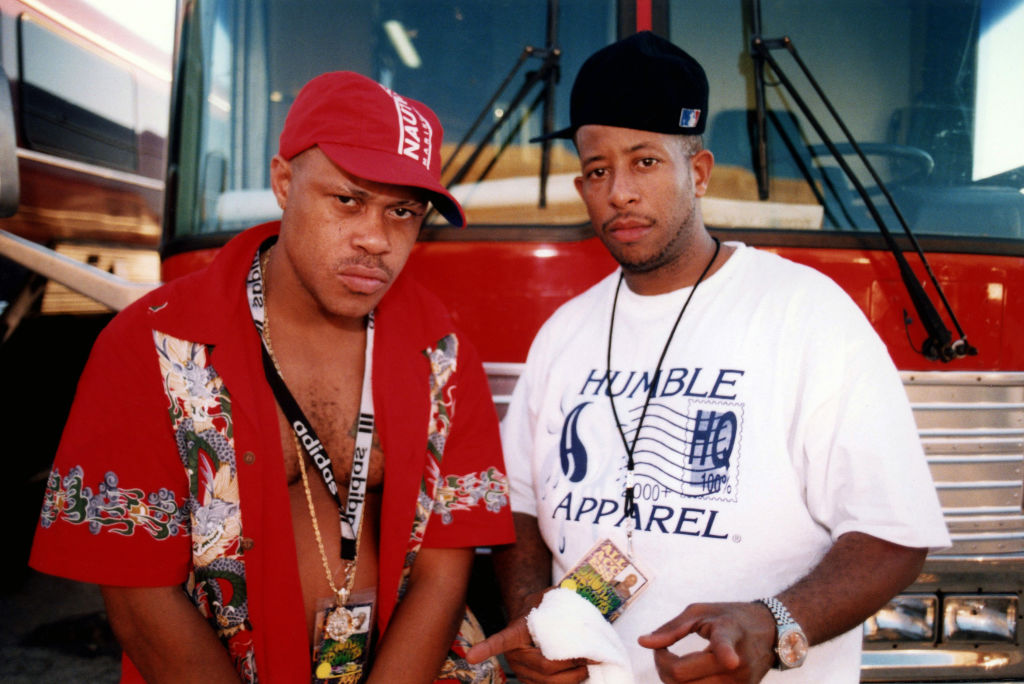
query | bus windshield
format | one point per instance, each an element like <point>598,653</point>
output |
<point>930,90</point>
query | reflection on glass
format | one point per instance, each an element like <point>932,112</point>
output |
<point>248,58</point>
<point>929,88</point>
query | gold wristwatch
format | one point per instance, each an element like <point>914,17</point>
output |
<point>790,641</point>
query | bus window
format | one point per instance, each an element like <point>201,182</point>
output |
<point>912,80</point>
<point>917,82</point>
<point>74,102</point>
<point>245,64</point>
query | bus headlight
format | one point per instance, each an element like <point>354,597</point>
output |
<point>991,617</point>
<point>908,617</point>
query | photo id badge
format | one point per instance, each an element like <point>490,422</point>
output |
<point>341,647</point>
<point>607,578</point>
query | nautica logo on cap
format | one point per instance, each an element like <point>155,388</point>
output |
<point>688,118</point>
<point>414,131</point>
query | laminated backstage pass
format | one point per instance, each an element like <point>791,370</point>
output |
<point>343,660</point>
<point>606,577</point>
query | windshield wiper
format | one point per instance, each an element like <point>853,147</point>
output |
<point>939,345</point>
<point>546,76</point>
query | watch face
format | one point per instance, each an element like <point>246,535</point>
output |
<point>792,648</point>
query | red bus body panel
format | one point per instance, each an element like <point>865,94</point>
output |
<point>500,293</point>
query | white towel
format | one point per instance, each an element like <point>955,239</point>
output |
<point>565,625</point>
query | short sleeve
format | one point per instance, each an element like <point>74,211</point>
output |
<point>517,437</point>
<point>472,506</point>
<point>865,466</point>
<point>114,508</point>
<point>520,425</point>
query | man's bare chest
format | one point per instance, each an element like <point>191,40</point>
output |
<point>334,415</point>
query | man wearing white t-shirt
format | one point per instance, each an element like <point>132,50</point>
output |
<point>728,419</point>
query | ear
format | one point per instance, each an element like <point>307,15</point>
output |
<point>578,182</point>
<point>280,179</point>
<point>701,165</point>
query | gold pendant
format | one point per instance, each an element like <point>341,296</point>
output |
<point>340,624</point>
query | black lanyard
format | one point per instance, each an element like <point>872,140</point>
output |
<point>350,512</point>
<point>631,446</point>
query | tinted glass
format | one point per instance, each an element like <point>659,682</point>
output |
<point>247,59</point>
<point>931,90</point>
<point>75,102</point>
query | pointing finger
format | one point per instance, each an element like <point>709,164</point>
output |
<point>516,635</point>
<point>670,632</point>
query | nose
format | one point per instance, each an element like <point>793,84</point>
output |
<point>371,235</point>
<point>623,190</point>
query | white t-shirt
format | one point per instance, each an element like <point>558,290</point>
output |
<point>779,423</point>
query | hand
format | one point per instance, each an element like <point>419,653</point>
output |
<point>740,638</point>
<point>525,659</point>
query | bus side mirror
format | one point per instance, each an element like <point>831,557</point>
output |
<point>10,191</point>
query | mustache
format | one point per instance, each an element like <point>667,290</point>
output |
<point>627,216</point>
<point>365,261</point>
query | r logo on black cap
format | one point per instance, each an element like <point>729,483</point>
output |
<point>689,118</point>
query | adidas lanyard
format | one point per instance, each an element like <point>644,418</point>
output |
<point>350,512</point>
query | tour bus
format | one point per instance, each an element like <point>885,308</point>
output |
<point>85,105</point>
<point>879,141</point>
<point>84,110</point>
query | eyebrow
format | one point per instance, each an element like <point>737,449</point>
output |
<point>635,148</point>
<point>349,189</point>
<point>412,202</point>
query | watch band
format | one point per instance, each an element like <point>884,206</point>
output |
<point>791,642</point>
<point>779,611</point>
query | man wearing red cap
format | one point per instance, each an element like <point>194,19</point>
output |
<point>278,467</point>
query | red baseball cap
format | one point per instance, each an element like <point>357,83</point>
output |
<point>372,132</point>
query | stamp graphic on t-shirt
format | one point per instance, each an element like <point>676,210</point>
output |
<point>693,453</point>
<point>689,451</point>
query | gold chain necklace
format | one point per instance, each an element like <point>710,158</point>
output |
<point>340,622</point>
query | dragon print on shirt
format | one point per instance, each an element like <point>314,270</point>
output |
<point>200,413</point>
<point>111,507</point>
<point>444,494</point>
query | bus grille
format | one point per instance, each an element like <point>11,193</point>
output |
<point>972,429</point>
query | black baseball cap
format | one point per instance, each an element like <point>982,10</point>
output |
<point>643,82</point>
